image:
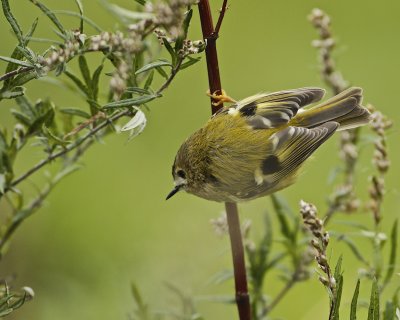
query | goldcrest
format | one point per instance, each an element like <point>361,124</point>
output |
<point>257,145</point>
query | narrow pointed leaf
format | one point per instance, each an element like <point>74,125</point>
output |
<point>15,61</point>
<point>130,102</point>
<point>75,112</point>
<point>390,310</point>
<point>13,93</point>
<point>281,214</point>
<point>393,251</point>
<point>50,15</point>
<point>80,7</point>
<point>373,309</point>
<point>96,80</point>
<point>191,61</point>
<point>141,2</point>
<point>12,21</point>
<point>171,51</point>
<point>354,302</point>
<point>153,65</point>
<point>137,90</point>
<point>149,80</point>
<point>161,71</point>
<point>90,22</point>
<point>185,27</point>
<point>83,66</point>
<point>79,84</point>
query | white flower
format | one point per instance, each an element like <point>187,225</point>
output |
<point>136,125</point>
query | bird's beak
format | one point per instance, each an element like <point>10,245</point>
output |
<point>175,190</point>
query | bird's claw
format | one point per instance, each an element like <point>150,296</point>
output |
<point>220,98</point>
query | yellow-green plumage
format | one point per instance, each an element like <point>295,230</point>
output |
<point>257,146</point>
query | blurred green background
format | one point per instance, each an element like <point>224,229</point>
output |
<point>108,224</point>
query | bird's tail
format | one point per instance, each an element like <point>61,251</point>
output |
<point>344,108</point>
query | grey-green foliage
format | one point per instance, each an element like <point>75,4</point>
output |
<point>64,134</point>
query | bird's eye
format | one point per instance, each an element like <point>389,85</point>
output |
<point>181,174</point>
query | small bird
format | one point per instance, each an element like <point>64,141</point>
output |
<point>257,145</point>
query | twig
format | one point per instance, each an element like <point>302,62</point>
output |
<point>220,19</point>
<point>210,35</point>
<point>90,134</point>
<point>171,77</point>
<point>15,72</point>
<point>69,148</point>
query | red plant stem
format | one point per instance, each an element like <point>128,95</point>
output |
<point>211,35</point>
<point>214,80</point>
<point>239,267</point>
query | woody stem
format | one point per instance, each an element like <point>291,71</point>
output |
<point>210,35</point>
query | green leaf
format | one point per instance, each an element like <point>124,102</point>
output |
<point>142,308</point>
<point>130,102</point>
<point>96,80</point>
<point>281,212</point>
<point>354,302</point>
<point>338,268</point>
<point>149,80</point>
<point>28,54</point>
<point>60,68</point>
<point>12,21</point>
<point>393,251</point>
<point>80,7</point>
<point>18,55</point>
<point>373,309</point>
<point>125,15</point>
<point>153,65</point>
<point>3,183</point>
<point>84,18</point>
<point>22,118</point>
<point>15,61</point>
<point>174,56</point>
<point>185,27</point>
<point>339,287</point>
<point>54,139</point>
<point>352,247</point>
<point>75,112</point>
<point>137,90</point>
<point>79,84</point>
<point>50,15</point>
<point>46,118</point>
<point>12,93</point>
<point>161,71</point>
<point>83,66</point>
<point>189,63</point>
<point>31,31</point>
<point>26,107</point>
<point>142,2</point>
<point>338,298</point>
<point>390,311</point>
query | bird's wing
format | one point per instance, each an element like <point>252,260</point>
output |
<point>289,148</point>
<point>263,111</point>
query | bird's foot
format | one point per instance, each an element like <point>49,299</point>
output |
<point>220,98</point>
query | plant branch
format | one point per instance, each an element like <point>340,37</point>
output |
<point>210,35</point>
<point>13,73</point>
<point>90,134</point>
<point>69,148</point>
<point>220,19</point>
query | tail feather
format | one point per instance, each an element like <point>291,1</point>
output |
<point>344,108</point>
